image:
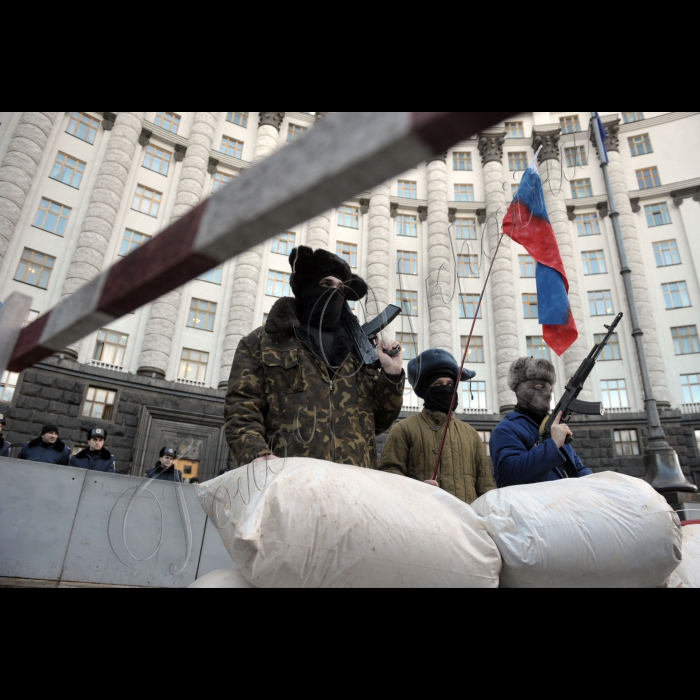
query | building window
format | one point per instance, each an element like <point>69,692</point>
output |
<point>407,226</point>
<point>648,177</point>
<point>465,229</point>
<point>462,161</point>
<point>202,315</point>
<point>31,317</point>
<point>110,347</point>
<point>464,193</point>
<point>594,263</point>
<point>600,303</point>
<point>570,125</point>
<point>294,132</point>
<point>35,268</point>
<point>691,388</point>
<point>515,130</point>
<point>99,403</point>
<point>640,145</point>
<point>213,276</point>
<point>283,243</point>
<point>348,252</point>
<point>657,215</point>
<point>168,121</point>
<point>407,189</point>
<point>536,347</point>
<point>685,340</point>
<point>193,366</point>
<point>407,262</point>
<point>407,301</point>
<point>52,217</point>
<point>231,147</point>
<point>666,253</point>
<point>588,225</point>
<point>147,201</point>
<point>220,179</point>
<point>68,170</point>
<point>468,304</point>
<point>676,295</point>
<point>630,117</point>
<point>468,266</point>
<point>527,266</point>
<point>614,393</point>
<point>409,344</point>
<point>278,284</point>
<point>517,161</point>
<point>349,217</point>
<point>474,396</point>
<point>514,187</point>
<point>8,384</point>
<point>485,436</point>
<point>157,160</point>
<point>576,157</point>
<point>83,126</point>
<point>626,443</point>
<point>581,188</point>
<point>530,306</point>
<point>611,351</point>
<point>476,349</point>
<point>238,118</point>
<point>132,241</point>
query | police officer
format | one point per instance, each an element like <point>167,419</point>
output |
<point>5,446</point>
<point>46,448</point>
<point>95,458</point>
<point>165,467</point>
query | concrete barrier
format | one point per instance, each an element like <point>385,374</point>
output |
<point>61,526</point>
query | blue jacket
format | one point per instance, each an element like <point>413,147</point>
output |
<point>103,461</point>
<point>519,460</point>
<point>5,447</point>
<point>34,451</point>
<point>158,474</point>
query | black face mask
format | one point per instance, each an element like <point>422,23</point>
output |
<point>319,305</point>
<point>439,398</point>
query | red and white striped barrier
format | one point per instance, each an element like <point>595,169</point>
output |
<point>348,153</point>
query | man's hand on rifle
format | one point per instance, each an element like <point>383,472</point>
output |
<point>560,431</point>
<point>391,364</point>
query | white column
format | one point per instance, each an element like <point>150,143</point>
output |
<point>158,343</point>
<point>19,167</point>
<point>249,265</point>
<point>318,235</point>
<point>378,250</point>
<point>441,276</point>
<point>635,259</point>
<point>503,295</point>
<point>555,199</point>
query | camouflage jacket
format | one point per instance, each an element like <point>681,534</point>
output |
<point>282,400</point>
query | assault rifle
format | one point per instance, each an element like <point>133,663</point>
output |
<point>569,403</point>
<point>365,337</point>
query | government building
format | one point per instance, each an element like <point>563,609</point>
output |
<point>80,190</point>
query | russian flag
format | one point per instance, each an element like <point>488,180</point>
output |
<point>527,223</point>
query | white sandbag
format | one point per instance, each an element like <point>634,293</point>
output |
<point>222,579</point>
<point>688,573</point>
<point>602,531</point>
<point>303,523</point>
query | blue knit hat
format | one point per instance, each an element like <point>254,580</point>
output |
<point>430,362</point>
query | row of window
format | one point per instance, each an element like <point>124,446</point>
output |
<point>572,124</point>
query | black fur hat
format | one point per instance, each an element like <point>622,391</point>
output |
<point>309,267</point>
<point>527,368</point>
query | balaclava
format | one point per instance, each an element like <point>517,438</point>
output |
<point>430,366</point>
<point>525,375</point>
<point>439,398</point>
<point>319,307</point>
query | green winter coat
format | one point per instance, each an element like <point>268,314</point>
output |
<point>413,445</point>
<point>282,400</point>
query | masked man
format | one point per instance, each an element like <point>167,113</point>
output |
<point>413,445</point>
<point>165,467</point>
<point>5,446</point>
<point>47,448</point>
<point>520,456</point>
<point>297,386</point>
<point>95,458</point>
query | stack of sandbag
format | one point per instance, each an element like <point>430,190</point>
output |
<point>602,531</point>
<point>303,523</point>
<point>687,575</point>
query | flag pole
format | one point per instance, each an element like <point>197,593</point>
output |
<point>663,469</point>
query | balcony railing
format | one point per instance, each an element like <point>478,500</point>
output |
<point>619,409</point>
<point>104,365</point>
<point>691,408</point>
<point>190,382</point>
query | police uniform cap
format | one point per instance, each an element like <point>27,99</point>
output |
<point>97,433</point>
<point>168,452</point>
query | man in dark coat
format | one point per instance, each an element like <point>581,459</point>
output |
<point>95,458</point>
<point>520,456</point>
<point>47,448</point>
<point>165,467</point>
<point>5,446</point>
